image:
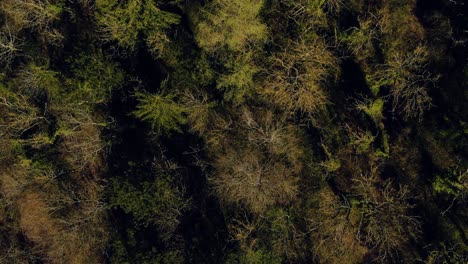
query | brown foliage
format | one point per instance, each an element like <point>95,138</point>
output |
<point>36,221</point>
<point>75,237</point>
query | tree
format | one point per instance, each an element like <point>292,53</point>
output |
<point>37,15</point>
<point>124,22</point>
<point>409,79</point>
<point>334,227</point>
<point>363,40</point>
<point>296,79</point>
<point>285,234</point>
<point>38,80</point>
<point>251,178</point>
<point>155,203</point>
<point>238,80</point>
<point>18,114</point>
<point>395,37</point>
<point>160,111</point>
<point>200,111</point>
<point>263,170</point>
<point>386,222</point>
<point>231,24</point>
<point>10,46</point>
<point>80,143</point>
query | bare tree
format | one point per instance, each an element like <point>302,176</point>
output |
<point>386,223</point>
<point>81,144</point>
<point>296,80</point>
<point>18,115</point>
<point>263,170</point>
<point>410,80</point>
<point>10,46</point>
<point>334,228</point>
<point>37,15</point>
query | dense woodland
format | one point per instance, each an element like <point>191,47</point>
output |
<point>233,131</point>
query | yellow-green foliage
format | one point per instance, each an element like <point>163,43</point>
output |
<point>332,163</point>
<point>124,21</point>
<point>454,183</point>
<point>373,109</point>
<point>362,40</point>
<point>35,80</point>
<point>160,111</point>
<point>238,82</point>
<point>362,141</point>
<point>228,23</point>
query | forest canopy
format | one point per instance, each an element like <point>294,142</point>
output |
<point>233,131</point>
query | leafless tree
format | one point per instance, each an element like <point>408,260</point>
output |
<point>410,81</point>
<point>295,80</point>
<point>386,223</point>
<point>10,46</point>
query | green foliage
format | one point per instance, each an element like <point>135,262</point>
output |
<point>254,257</point>
<point>149,203</point>
<point>122,252</point>
<point>160,111</point>
<point>284,234</point>
<point>95,77</point>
